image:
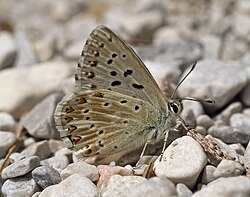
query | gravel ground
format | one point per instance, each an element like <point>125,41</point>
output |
<point>40,43</point>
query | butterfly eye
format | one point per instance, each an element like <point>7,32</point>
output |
<point>174,107</point>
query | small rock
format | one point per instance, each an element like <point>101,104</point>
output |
<point>155,186</point>
<point>189,117</point>
<point>195,107</point>
<point>21,186</point>
<point>45,48</point>
<point>225,115</point>
<point>87,170</point>
<point>74,185</point>
<point>204,121</point>
<point>245,94</point>
<point>183,190</point>
<point>40,149</point>
<point>230,187</point>
<point>65,151</point>
<point>56,145</point>
<point>20,167</point>
<point>201,130</point>
<point>167,34</point>
<point>122,185</point>
<point>57,162</point>
<point>14,157</point>
<point>208,174</point>
<point>73,50</point>
<point>246,111</point>
<point>7,122</point>
<point>182,161</point>
<point>33,84</point>
<point>228,134</point>
<point>8,50</point>
<point>241,26</point>
<point>46,176</point>
<point>241,122</point>
<point>212,46</point>
<point>221,86</point>
<point>28,141</point>
<point>40,120</point>
<point>106,172</point>
<point>238,148</point>
<point>228,168</point>
<point>7,139</point>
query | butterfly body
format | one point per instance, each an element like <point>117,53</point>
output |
<point>117,106</point>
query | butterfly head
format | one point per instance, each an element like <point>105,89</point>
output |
<point>175,106</point>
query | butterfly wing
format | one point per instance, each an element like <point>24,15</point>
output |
<point>108,62</point>
<point>103,125</point>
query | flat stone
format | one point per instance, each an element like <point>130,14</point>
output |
<point>229,187</point>
<point>87,170</point>
<point>40,149</point>
<point>121,185</point>
<point>242,122</point>
<point>74,185</point>
<point>183,190</point>
<point>182,161</point>
<point>228,168</point>
<point>57,162</point>
<point>40,120</point>
<point>20,167</point>
<point>20,186</point>
<point>33,84</point>
<point>7,139</point>
<point>7,122</point>
<point>208,174</point>
<point>46,176</point>
<point>221,86</point>
<point>155,186</point>
<point>8,50</point>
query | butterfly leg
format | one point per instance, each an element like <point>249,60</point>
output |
<point>164,144</point>
<point>142,153</point>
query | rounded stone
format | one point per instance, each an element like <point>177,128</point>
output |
<point>204,121</point>
<point>7,139</point>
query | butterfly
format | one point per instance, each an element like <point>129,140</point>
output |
<point>117,106</point>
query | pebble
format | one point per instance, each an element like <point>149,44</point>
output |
<point>87,170</point>
<point>212,46</point>
<point>74,185</point>
<point>65,151</point>
<point>7,139</point>
<point>40,149</point>
<point>40,120</point>
<point>182,161</point>
<point>57,162</point>
<point>195,107</point>
<point>241,122</point>
<point>205,83</point>
<point>245,94</point>
<point>183,190</point>
<point>20,186</point>
<point>247,154</point>
<point>228,168</point>
<point>56,145</point>
<point>20,167</point>
<point>7,122</point>
<point>231,109</point>
<point>8,50</point>
<point>14,157</point>
<point>208,174</point>
<point>46,176</point>
<point>201,130</point>
<point>121,185</point>
<point>166,34</point>
<point>238,148</point>
<point>204,121</point>
<point>155,186</point>
<point>31,90</point>
<point>229,187</point>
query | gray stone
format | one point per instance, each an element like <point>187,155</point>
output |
<point>45,47</point>
<point>40,121</point>
<point>75,185</point>
<point>241,122</point>
<point>65,151</point>
<point>245,94</point>
<point>195,107</point>
<point>228,134</point>
<point>20,167</point>
<point>230,187</point>
<point>228,168</point>
<point>201,130</point>
<point>182,161</point>
<point>56,145</point>
<point>33,84</point>
<point>212,46</point>
<point>155,186</point>
<point>208,174</point>
<point>40,149</point>
<point>167,34</point>
<point>57,162</point>
<point>242,26</point>
<point>8,50</point>
<point>238,148</point>
<point>204,121</point>
<point>221,86</point>
<point>14,157</point>
<point>20,186</point>
<point>232,108</point>
<point>46,176</point>
<point>121,185</point>
<point>183,190</point>
<point>246,111</point>
<point>87,170</point>
<point>7,122</point>
<point>247,154</point>
<point>7,139</point>
<point>28,141</point>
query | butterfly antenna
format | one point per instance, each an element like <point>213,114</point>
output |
<point>192,68</point>
<point>199,100</point>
